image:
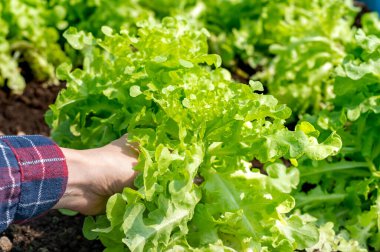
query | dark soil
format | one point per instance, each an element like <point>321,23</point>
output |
<point>24,114</point>
<point>363,10</point>
<point>51,232</point>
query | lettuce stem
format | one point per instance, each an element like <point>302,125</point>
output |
<point>309,200</point>
<point>336,167</point>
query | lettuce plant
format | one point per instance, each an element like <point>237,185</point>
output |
<point>197,132</point>
<point>307,43</point>
<point>345,190</point>
<point>28,36</point>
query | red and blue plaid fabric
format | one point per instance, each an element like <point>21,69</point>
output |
<point>33,177</point>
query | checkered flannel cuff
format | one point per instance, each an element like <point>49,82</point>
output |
<point>43,174</point>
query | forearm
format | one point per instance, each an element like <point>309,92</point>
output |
<point>77,185</point>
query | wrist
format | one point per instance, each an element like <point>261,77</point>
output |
<point>74,197</point>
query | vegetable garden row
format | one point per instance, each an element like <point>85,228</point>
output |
<point>257,121</point>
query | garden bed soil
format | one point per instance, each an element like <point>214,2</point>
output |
<point>24,114</point>
<point>363,10</point>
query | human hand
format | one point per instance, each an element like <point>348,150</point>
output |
<point>96,174</point>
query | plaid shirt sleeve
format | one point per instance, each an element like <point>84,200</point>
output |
<point>33,177</point>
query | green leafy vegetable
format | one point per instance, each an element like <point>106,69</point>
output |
<point>345,190</point>
<point>198,132</point>
<point>28,35</point>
